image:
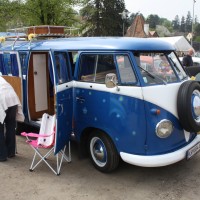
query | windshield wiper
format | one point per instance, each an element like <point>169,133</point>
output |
<point>155,77</point>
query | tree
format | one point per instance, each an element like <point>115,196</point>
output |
<point>10,12</point>
<point>197,30</point>
<point>102,18</point>
<point>43,12</point>
<point>182,26</point>
<point>153,20</point>
<point>188,22</point>
<point>176,23</point>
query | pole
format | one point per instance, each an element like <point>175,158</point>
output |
<point>192,23</point>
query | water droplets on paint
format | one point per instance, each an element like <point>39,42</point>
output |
<point>95,119</point>
<point>104,101</point>
<point>85,110</point>
<point>121,98</point>
<point>133,133</point>
<point>118,115</point>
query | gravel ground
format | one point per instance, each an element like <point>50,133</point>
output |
<point>80,180</point>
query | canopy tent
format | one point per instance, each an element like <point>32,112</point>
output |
<point>180,43</point>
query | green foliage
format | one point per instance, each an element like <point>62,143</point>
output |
<point>182,26</point>
<point>153,20</point>
<point>188,22</point>
<point>102,18</point>
<point>49,12</point>
<point>19,13</point>
<point>197,39</point>
<point>197,29</point>
<point>176,23</point>
<point>10,12</point>
<point>96,18</point>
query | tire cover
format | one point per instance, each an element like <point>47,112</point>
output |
<point>188,106</point>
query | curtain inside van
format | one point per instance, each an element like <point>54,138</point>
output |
<point>2,65</point>
<point>14,65</point>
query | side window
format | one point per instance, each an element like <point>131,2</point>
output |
<point>94,67</point>
<point>125,69</point>
<point>10,64</point>
<point>62,67</point>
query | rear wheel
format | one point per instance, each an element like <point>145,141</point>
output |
<point>103,153</point>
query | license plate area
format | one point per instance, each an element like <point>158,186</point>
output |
<point>192,151</point>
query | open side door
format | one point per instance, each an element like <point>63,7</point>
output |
<point>63,97</point>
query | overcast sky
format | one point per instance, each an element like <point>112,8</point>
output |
<point>164,8</point>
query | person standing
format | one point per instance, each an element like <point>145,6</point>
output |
<point>187,60</point>
<point>10,111</point>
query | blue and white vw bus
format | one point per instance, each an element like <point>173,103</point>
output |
<point>126,98</point>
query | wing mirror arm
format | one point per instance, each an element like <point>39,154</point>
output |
<point>111,81</point>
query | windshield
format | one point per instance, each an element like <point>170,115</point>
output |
<point>160,68</point>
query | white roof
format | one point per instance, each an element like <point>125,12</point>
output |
<point>180,43</point>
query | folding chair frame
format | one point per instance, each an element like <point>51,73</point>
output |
<point>45,140</point>
<point>44,158</point>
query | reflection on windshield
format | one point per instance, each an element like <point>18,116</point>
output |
<point>159,68</point>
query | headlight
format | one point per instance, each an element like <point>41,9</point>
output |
<point>164,128</point>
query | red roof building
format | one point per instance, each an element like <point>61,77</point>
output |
<point>139,29</point>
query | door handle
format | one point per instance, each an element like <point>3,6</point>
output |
<point>80,99</point>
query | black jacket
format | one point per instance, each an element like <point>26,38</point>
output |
<point>187,61</point>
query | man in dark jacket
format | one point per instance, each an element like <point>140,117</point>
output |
<point>187,60</point>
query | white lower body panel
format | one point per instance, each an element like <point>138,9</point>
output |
<point>159,160</point>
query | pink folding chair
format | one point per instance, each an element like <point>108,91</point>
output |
<point>46,140</point>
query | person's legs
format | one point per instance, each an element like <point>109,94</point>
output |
<point>3,150</point>
<point>10,122</point>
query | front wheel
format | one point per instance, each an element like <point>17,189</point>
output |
<point>103,153</point>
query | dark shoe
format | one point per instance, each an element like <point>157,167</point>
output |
<point>2,160</point>
<point>11,156</point>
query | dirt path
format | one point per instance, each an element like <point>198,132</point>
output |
<point>79,180</point>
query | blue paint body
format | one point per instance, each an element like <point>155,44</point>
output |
<point>130,122</point>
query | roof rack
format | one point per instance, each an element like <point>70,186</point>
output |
<point>37,32</point>
<point>45,31</point>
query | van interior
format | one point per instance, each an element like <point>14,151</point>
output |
<point>40,88</point>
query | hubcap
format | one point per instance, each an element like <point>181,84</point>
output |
<point>98,151</point>
<point>196,105</point>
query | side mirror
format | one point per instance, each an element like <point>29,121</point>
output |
<point>111,80</point>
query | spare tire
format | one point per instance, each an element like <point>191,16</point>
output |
<point>188,106</point>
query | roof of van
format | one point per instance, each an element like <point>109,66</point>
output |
<point>93,43</point>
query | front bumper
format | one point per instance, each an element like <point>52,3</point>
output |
<point>159,160</point>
